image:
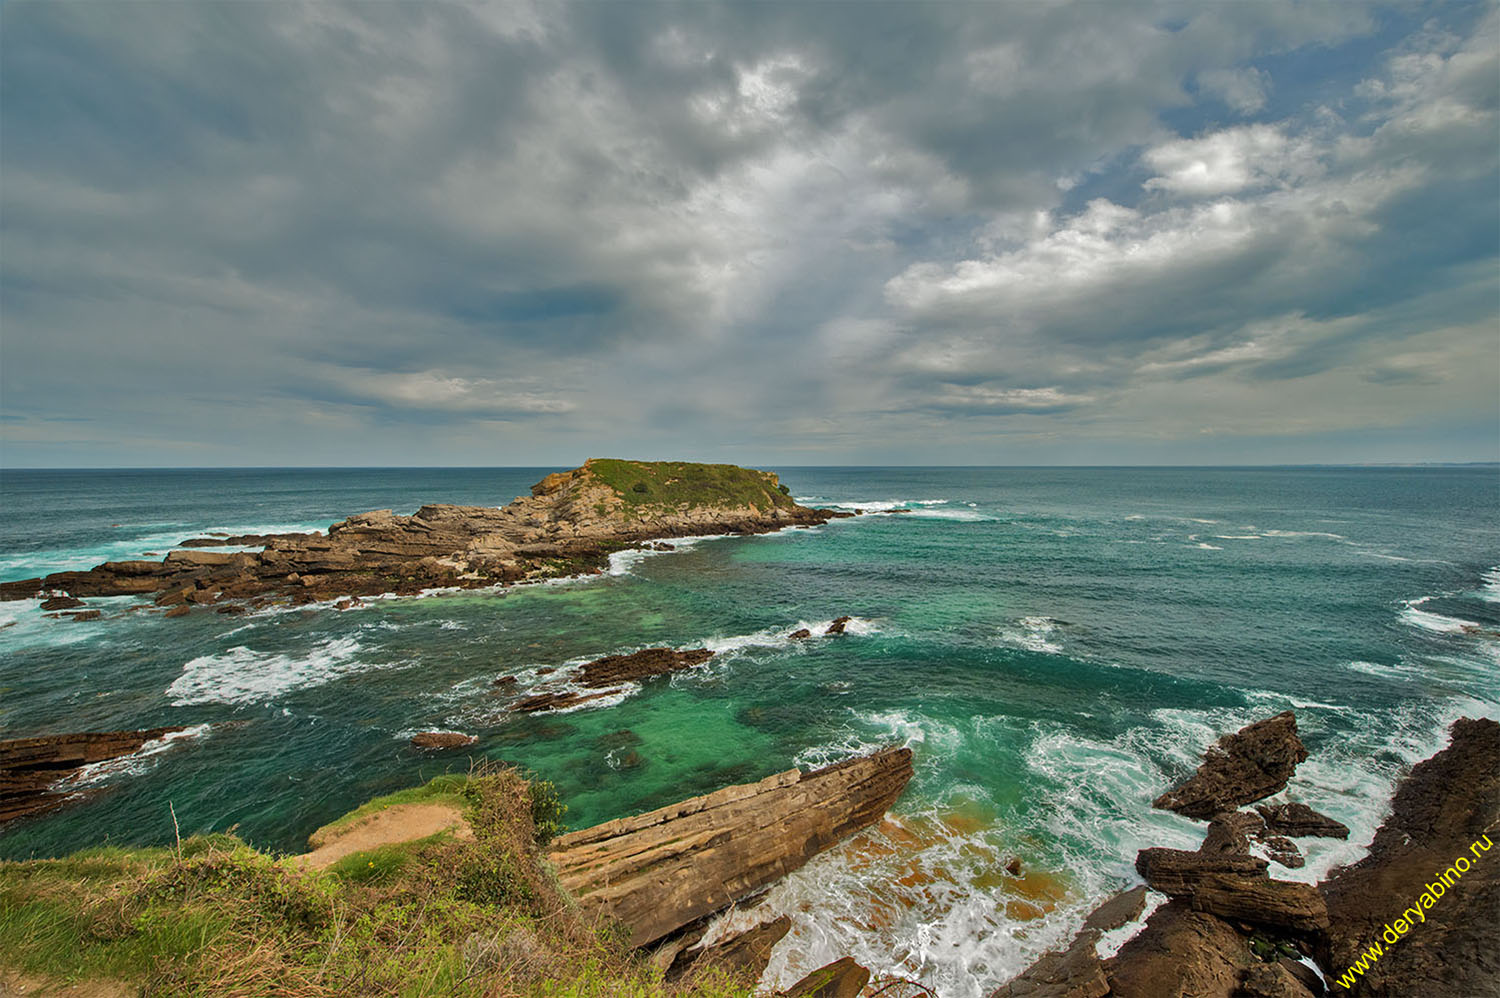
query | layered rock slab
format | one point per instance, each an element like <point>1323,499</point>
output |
<point>659,871</point>
<point>31,768</point>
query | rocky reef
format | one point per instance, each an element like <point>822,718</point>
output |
<point>569,524</point>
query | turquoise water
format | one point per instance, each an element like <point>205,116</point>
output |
<point>1057,645</point>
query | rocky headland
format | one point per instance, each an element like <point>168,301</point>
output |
<point>569,525</point>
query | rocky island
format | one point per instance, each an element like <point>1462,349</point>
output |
<point>570,524</point>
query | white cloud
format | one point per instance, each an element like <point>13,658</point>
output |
<point>1243,89</point>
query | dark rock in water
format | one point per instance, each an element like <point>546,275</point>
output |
<point>1284,851</point>
<point>1300,821</point>
<point>659,871</point>
<point>1447,809</point>
<point>1174,871</point>
<point>1271,980</point>
<point>442,740</point>
<point>557,700</point>
<point>1231,833</point>
<point>838,625</point>
<point>86,615</point>
<point>799,634</point>
<point>181,610</point>
<point>1180,953</point>
<point>612,670</point>
<point>31,768</point>
<point>841,979</point>
<point>504,683</point>
<point>1124,907</point>
<point>61,603</point>
<point>747,952</point>
<point>1241,768</point>
<point>231,609</point>
<point>1013,867</point>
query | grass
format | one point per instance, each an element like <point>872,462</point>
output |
<point>674,485</point>
<point>439,916</point>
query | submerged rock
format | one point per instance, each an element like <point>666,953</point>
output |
<point>837,627</point>
<point>443,740</point>
<point>1241,768</point>
<point>659,871</point>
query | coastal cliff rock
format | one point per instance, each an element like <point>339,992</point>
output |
<point>1446,810</point>
<point>1249,765</point>
<point>30,768</point>
<point>569,524</point>
<point>659,871</point>
<point>1181,953</point>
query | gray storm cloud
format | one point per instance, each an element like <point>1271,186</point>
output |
<point>768,233</point>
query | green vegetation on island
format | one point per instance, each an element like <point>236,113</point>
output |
<point>687,484</point>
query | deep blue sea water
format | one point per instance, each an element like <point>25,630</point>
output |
<point>1057,646</point>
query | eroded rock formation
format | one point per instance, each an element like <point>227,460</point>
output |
<point>659,871</point>
<point>605,675</point>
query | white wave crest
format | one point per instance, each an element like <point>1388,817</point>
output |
<point>138,761</point>
<point>1435,622</point>
<point>242,675</point>
<point>1037,634</point>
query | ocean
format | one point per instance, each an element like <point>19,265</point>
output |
<point>1057,646</point>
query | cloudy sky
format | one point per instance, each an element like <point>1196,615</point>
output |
<point>804,233</point>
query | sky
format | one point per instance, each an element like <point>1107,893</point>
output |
<point>813,233</point>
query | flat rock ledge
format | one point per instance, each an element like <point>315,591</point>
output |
<point>660,871</point>
<point>569,525</point>
<point>1229,930</point>
<point>32,769</point>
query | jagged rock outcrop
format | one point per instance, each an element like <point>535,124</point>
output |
<point>605,674</point>
<point>569,524</point>
<point>1181,953</point>
<point>1447,809</point>
<point>1247,766</point>
<point>659,871</point>
<point>32,768</point>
